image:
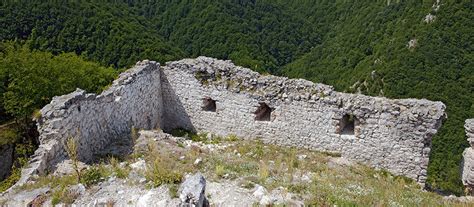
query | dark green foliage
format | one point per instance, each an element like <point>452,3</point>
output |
<point>257,34</point>
<point>31,79</point>
<point>353,45</point>
<point>112,34</point>
<point>189,135</point>
<point>8,135</point>
<point>363,38</point>
<point>22,152</point>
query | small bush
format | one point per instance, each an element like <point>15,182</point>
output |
<point>71,149</point>
<point>232,138</point>
<point>220,170</point>
<point>258,149</point>
<point>91,176</point>
<point>134,134</point>
<point>37,114</point>
<point>160,173</point>
<point>173,188</point>
<point>199,137</point>
<point>8,136</point>
<point>263,171</point>
<point>161,168</point>
<point>298,188</point>
<point>120,172</point>
<point>63,195</point>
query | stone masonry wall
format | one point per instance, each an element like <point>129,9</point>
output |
<point>100,123</point>
<point>388,134</point>
<point>468,158</point>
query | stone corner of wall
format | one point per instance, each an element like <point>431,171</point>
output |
<point>59,104</point>
<point>57,111</point>
<point>467,174</point>
<point>469,127</point>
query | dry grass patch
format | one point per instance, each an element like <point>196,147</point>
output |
<point>302,172</point>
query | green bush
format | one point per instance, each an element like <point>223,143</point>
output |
<point>63,195</point>
<point>8,136</point>
<point>91,176</point>
<point>159,173</point>
<point>10,180</point>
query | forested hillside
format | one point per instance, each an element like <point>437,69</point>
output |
<point>367,50</point>
<point>381,48</point>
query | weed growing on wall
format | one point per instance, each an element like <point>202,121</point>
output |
<point>71,149</point>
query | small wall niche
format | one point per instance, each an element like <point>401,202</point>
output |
<point>263,112</point>
<point>347,125</point>
<point>208,104</point>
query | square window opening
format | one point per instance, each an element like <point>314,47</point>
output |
<point>209,105</point>
<point>263,112</point>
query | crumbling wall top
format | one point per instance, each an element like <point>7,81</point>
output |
<point>224,75</point>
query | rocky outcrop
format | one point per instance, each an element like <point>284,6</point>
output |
<point>205,94</point>
<point>468,158</point>
<point>192,191</point>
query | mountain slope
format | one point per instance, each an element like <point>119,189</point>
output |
<point>367,51</point>
<point>112,34</point>
<point>356,46</point>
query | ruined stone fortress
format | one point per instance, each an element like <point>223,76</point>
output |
<point>215,96</point>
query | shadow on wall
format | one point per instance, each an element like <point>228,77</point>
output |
<point>174,113</point>
<point>347,124</point>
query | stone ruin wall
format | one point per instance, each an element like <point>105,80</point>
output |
<point>388,134</point>
<point>97,122</point>
<point>468,158</point>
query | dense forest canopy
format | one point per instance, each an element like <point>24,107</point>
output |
<point>397,49</point>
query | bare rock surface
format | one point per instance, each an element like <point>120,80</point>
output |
<point>25,197</point>
<point>119,193</point>
<point>229,194</point>
<point>66,167</point>
<point>192,191</point>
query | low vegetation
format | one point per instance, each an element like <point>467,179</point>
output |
<point>22,151</point>
<point>161,167</point>
<point>312,176</point>
<point>318,179</point>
